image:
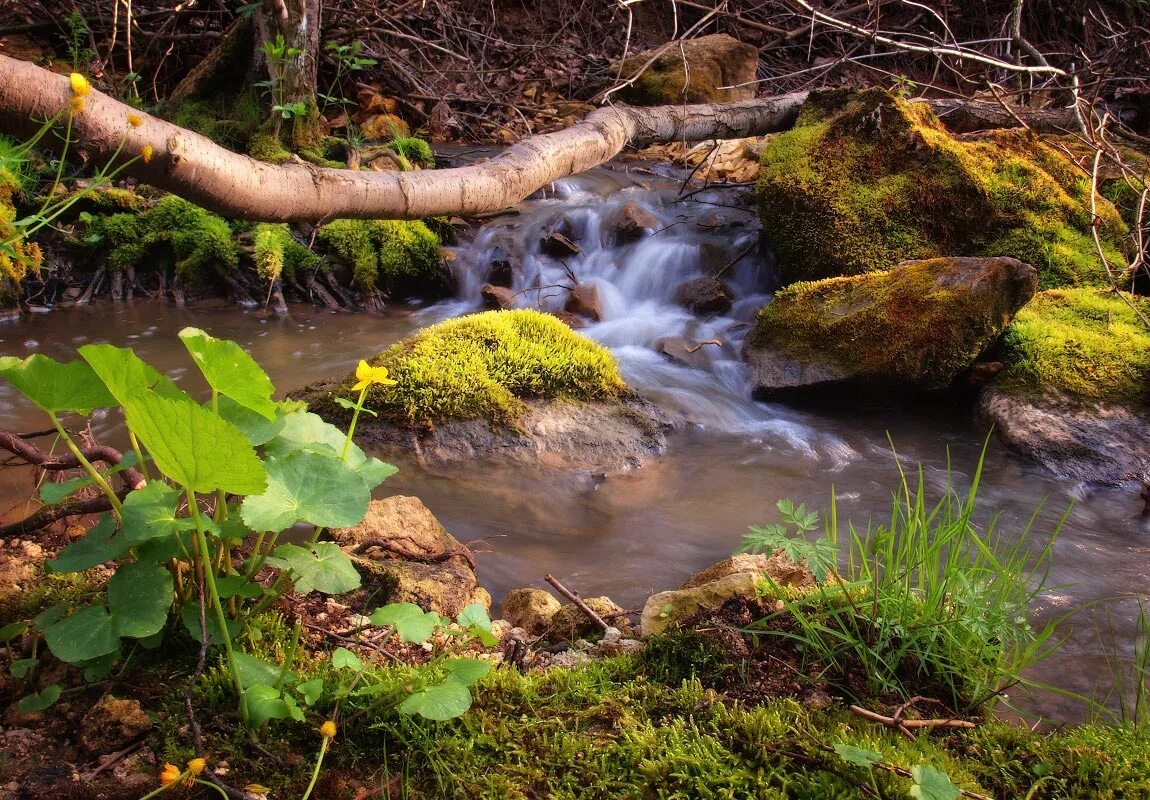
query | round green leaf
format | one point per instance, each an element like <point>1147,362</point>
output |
<point>309,487</point>
<point>87,634</point>
<point>444,701</point>
<point>140,596</point>
<point>41,700</point>
<point>321,566</point>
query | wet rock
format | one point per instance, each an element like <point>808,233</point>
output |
<point>556,245</point>
<point>919,325</point>
<point>404,554</point>
<point>585,302</point>
<point>502,272</point>
<point>1096,442</point>
<point>570,621</point>
<point>705,295</point>
<point>573,321</point>
<point>693,71</point>
<point>682,350</point>
<point>530,609</point>
<point>497,297</point>
<point>112,724</point>
<point>632,224</point>
<point>734,578</point>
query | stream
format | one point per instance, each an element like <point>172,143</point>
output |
<point>730,458</point>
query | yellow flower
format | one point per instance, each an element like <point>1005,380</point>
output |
<point>367,375</point>
<point>135,120</point>
<point>146,153</point>
<point>196,766</point>
<point>80,85</point>
<point>77,104</point>
<point>170,774</point>
<point>327,730</point>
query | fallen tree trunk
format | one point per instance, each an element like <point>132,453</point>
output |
<point>240,187</point>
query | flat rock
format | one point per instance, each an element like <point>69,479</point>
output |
<point>1095,442</point>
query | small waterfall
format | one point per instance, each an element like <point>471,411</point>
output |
<point>636,243</point>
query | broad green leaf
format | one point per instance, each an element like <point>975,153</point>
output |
<point>256,427</point>
<point>190,616</point>
<point>96,669</point>
<point>98,545</point>
<point>194,447</point>
<point>311,691</point>
<point>859,756</point>
<point>444,701</point>
<point>49,615</point>
<point>931,783</point>
<point>238,586</point>
<point>165,548</point>
<point>12,630</point>
<point>474,615</point>
<point>56,387</point>
<point>140,596</point>
<point>411,623</point>
<point>321,566</point>
<point>253,671</point>
<point>124,373</point>
<point>231,371</point>
<point>373,471</point>
<point>342,658</point>
<point>23,667</point>
<point>32,703</point>
<point>89,633</point>
<point>263,702</point>
<point>467,670</point>
<point>306,431</point>
<point>308,487</point>
<point>150,513</point>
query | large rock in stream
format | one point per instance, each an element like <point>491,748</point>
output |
<point>919,325</point>
<point>1074,394</point>
<point>866,180</point>
<point>514,385</point>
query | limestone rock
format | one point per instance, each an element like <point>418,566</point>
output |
<point>693,72</point>
<point>709,590</point>
<point>404,554</point>
<point>705,295</point>
<point>919,325</point>
<point>585,301</point>
<point>530,609</point>
<point>1093,441</point>
<point>570,621</point>
<point>497,297</point>
<point>113,723</point>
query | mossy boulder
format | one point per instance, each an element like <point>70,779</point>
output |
<point>393,255</point>
<point>518,385</point>
<point>1074,393</point>
<point>918,325</point>
<point>18,257</point>
<point>711,69</point>
<point>866,180</point>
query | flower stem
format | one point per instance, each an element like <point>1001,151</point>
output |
<point>318,764</point>
<point>117,506</point>
<point>354,420</point>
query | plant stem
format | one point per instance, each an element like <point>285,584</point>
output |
<point>354,420</point>
<point>117,506</point>
<point>214,596</point>
<point>315,772</point>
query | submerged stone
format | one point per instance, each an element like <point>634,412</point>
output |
<point>918,325</point>
<point>866,180</point>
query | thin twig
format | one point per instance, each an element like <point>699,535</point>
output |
<point>577,600</point>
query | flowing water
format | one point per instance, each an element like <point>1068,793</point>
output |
<point>730,458</point>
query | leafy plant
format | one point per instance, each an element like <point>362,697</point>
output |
<point>239,467</point>
<point>926,603</point>
<point>347,60</point>
<point>819,555</point>
<point>927,782</point>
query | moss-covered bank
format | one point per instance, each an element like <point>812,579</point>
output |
<point>1085,343</point>
<point>866,180</point>
<point>17,256</point>
<point>484,366</point>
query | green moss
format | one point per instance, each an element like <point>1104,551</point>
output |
<point>415,150</point>
<point>866,180</point>
<point>197,242</point>
<point>915,324</point>
<point>1087,343</point>
<point>278,253</point>
<point>18,256</point>
<point>265,147</point>
<point>485,365</point>
<point>229,122</point>
<point>390,254</point>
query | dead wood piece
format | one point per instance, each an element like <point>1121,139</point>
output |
<point>577,600</point>
<point>403,554</point>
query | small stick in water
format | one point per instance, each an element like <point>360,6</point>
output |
<point>577,600</point>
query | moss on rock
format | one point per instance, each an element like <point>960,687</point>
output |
<point>711,69</point>
<point>866,180</point>
<point>484,366</point>
<point>922,324</point>
<point>18,256</point>
<point>277,253</point>
<point>195,241</point>
<point>1086,343</point>
<point>393,255</point>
